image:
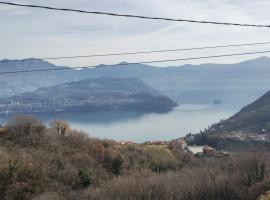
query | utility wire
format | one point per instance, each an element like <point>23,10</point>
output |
<point>133,16</point>
<point>146,52</point>
<point>155,51</point>
<point>134,63</point>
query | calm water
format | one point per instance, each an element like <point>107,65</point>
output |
<point>141,127</point>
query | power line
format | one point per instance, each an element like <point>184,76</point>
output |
<point>134,16</point>
<point>146,52</point>
<point>134,63</point>
<point>154,51</point>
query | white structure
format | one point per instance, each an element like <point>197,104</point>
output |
<point>195,150</point>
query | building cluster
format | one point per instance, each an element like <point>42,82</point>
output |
<point>241,136</point>
<point>206,151</point>
<point>198,150</point>
<point>182,143</point>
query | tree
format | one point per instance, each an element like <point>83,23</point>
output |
<point>59,127</point>
<point>25,130</point>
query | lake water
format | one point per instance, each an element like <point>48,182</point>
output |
<point>140,127</point>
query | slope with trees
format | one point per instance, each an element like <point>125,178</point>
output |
<point>56,162</point>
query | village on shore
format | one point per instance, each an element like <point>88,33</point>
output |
<point>182,143</point>
<point>205,150</point>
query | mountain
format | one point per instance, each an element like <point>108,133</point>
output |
<point>253,118</point>
<point>89,95</point>
<point>233,84</point>
<point>13,84</point>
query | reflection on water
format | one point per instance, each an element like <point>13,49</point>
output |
<point>140,127</point>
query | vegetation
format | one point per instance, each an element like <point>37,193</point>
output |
<point>255,117</point>
<point>57,162</point>
<point>252,120</point>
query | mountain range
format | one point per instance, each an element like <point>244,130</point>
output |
<point>233,84</point>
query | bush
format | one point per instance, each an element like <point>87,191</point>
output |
<point>87,177</point>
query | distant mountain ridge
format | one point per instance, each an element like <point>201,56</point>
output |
<point>26,64</point>
<point>13,84</point>
<point>90,95</point>
<point>234,84</point>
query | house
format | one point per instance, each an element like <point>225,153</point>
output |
<point>195,150</point>
<point>207,150</point>
<point>239,136</point>
<point>211,152</point>
<point>262,137</point>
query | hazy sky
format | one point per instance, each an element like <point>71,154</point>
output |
<point>27,32</point>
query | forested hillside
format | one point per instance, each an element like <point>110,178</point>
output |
<point>57,162</point>
<point>253,118</point>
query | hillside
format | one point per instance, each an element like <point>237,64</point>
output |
<point>235,84</point>
<point>88,96</point>
<point>39,162</point>
<point>247,129</point>
<point>253,118</point>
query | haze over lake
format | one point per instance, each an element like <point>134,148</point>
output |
<point>140,127</point>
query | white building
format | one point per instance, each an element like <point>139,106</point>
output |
<point>195,150</point>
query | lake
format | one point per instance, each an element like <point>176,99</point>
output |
<point>140,127</point>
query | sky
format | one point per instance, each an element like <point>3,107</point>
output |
<point>28,33</point>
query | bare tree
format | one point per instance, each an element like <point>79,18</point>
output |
<point>60,127</point>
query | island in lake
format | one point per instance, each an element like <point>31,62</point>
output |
<point>91,95</point>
